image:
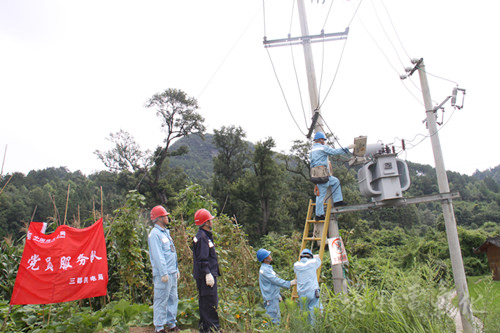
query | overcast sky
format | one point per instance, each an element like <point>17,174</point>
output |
<point>72,72</point>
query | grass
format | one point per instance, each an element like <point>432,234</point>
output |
<point>484,294</point>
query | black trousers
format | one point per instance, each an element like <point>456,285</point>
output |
<point>208,302</point>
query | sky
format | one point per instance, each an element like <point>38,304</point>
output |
<point>73,72</point>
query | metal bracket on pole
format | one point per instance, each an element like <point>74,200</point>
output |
<point>313,123</point>
<point>397,202</point>
<point>311,38</point>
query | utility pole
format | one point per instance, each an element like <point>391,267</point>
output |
<point>339,283</point>
<point>448,213</point>
<point>306,40</point>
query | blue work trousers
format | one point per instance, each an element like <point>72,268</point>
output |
<point>165,301</point>
<point>334,184</point>
<point>309,304</point>
<point>273,310</point>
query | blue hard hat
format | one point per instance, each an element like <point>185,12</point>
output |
<point>306,252</point>
<point>319,135</point>
<point>262,254</point>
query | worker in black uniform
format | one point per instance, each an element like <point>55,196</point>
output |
<point>206,271</point>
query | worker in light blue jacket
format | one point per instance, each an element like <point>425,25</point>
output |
<point>319,156</point>
<point>307,282</point>
<point>165,272</point>
<point>270,285</point>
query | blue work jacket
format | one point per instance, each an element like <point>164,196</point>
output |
<point>319,154</point>
<point>307,280</point>
<point>270,283</point>
<point>162,251</point>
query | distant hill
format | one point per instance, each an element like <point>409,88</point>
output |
<point>493,173</point>
<point>198,162</point>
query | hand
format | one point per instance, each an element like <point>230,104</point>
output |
<point>293,282</point>
<point>316,256</point>
<point>164,278</point>
<point>209,279</point>
<point>352,146</point>
<point>178,275</point>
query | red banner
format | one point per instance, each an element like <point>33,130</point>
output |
<point>67,265</point>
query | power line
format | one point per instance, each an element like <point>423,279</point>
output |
<point>283,93</point>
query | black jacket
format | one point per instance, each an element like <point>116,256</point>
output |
<point>204,255</point>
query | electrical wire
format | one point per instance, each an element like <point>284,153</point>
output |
<point>328,14</point>
<point>228,54</point>
<point>298,85</point>
<point>387,35</point>
<point>283,93</point>
<point>394,28</point>
<point>339,62</point>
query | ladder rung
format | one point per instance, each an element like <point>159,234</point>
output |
<point>314,221</point>
<point>312,239</point>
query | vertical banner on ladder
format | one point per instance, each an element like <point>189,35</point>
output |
<point>337,251</point>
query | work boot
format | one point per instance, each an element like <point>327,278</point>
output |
<point>174,329</point>
<point>339,204</point>
<point>319,218</point>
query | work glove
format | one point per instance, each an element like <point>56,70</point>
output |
<point>164,278</point>
<point>209,279</point>
<point>293,282</point>
<point>352,146</point>
<point>178,275</point>
<point>316,256</point>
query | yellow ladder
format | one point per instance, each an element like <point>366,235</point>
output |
<point>309,235</point>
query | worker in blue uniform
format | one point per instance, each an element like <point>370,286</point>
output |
<point>270,285</point>
<point>307,282</point>
<point>165,272</point>
<point>206,271</point>
<point>319,156</point>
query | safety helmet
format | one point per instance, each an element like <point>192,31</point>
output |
<point>201,216</point>
<point>158,211</point>
<point>306,253</point>
<point>262,254</point>
<point>319,135</point>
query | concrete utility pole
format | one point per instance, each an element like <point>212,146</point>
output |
<point>306,40</point>
<point>449,216</point>
<point>339,283</point>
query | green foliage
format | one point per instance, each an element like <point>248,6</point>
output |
<point>10,257</point>
<point>409,305</point>
<point>128,252</point>
<point>116,316</point>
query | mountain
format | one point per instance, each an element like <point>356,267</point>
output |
<point>198,162</point>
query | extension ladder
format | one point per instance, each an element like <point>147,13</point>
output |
<point>310,236</point>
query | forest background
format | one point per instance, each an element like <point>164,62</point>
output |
<point>261,199</point>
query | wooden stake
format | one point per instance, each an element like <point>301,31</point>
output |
<point>66,209</point>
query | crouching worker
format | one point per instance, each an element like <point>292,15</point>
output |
<point>307,282</point>
<point>270,285</point>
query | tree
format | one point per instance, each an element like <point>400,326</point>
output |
<point>126,154</point>
<point>229,164</point>
<point>179,118</point>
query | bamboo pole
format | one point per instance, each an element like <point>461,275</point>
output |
<point>56,212</point>
<point>102,209</point>
<point>66,209</point>
<point>6,183</point>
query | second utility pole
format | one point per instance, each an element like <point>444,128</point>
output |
<point>457,264</point>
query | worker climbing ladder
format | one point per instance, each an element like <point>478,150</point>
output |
<point>316,235</point>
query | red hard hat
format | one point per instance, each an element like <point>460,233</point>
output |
<point>158,211</point>
<point>201,216</point>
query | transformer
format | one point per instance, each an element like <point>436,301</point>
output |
<point>385,177</point>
